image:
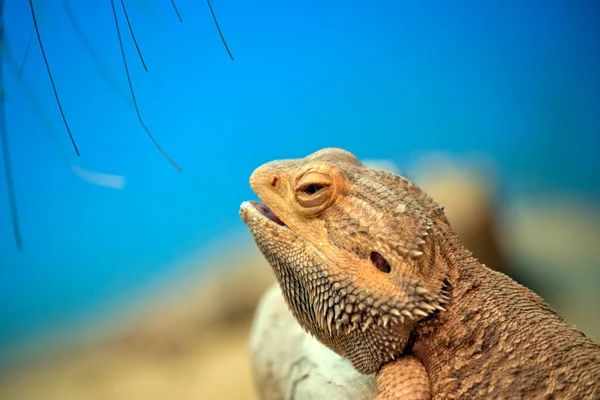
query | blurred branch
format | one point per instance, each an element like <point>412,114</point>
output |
<point>88,47</point>
<point>4,137</point>
<point>22,67</point>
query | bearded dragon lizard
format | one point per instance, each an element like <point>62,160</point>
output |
<point>369,265</point>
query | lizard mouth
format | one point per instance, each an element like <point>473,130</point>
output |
<point>264,211</point>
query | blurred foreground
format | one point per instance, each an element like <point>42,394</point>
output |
<point>189,339</point>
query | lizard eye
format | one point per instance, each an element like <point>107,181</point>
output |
<point>314,190</point>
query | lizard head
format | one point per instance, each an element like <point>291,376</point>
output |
<point>350,249</point>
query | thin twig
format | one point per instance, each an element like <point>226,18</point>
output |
<point>133,36</point>
<point>176,10</point>
<point>22,68</point>
<point>219,29</point>
<point>12,200</point>
<point>137,111</point>
<point>37,31</point>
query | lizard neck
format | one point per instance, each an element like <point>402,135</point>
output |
<point>497,338</point>
<point>448,254</point>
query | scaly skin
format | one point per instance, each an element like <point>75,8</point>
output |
<point>369,265</point>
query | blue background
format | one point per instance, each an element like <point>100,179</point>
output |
<point>384,79</point>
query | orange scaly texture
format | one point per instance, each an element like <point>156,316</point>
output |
<point>369,265</point>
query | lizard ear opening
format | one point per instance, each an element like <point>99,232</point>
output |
<point>380,262</point>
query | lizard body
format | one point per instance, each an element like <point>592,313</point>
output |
<point>370,266</point>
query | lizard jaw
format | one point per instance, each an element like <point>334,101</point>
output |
<point>259,210</point>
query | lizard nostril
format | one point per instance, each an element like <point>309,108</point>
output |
<point>274,181</point>
<point>380,262</point>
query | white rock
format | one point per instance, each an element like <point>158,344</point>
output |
<point>288,363</point>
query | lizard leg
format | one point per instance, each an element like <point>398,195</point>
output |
<point>404,379</point>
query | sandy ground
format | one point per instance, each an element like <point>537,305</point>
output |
<point>214,367</point>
